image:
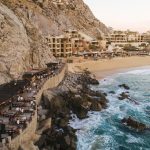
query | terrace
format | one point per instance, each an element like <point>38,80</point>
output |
<point>18,103</point>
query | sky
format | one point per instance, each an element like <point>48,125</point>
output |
<point>122,14</point>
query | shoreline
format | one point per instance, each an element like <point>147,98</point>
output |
<point>72,97</point>
<point>125,102</point>
<point>105,67</point>
<point>101,75</point>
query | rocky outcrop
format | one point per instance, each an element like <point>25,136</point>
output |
<point>58,139</point>
<point>21,46</point>
<point>125,86</point>
<point>14,46</point>
<point>23,25</point>
<point>73,96</point>
<point>133,124</point>
<point>123,96</point>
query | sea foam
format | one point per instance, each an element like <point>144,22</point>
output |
<point>103,130</point>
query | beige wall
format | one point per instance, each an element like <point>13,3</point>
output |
<point>102,43</point>
<point>51,83</point>
<point>25,135</point>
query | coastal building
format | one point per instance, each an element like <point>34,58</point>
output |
<point>73,42</point>
<point>82,41</point>
<point>117,38</point>
<point>103,44</point>
<point>94,44</point>
<point>147,36</point>
<point>60,46</point>
<point>72,34</point>
<point>79,43</point>
<point>123,38</point>
<point>134,37</point>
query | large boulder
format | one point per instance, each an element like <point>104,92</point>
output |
<point>79,106</point>
<point>125,86</point>
<point>54,103</point>
<point>56,139</point>
<point>123,96</point>
<point>130,122</point>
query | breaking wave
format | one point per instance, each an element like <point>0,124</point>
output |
<point>103,130</point>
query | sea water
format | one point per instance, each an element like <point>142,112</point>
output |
<point>103,130</point>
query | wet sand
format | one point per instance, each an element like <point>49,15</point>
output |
<point>105,67</point>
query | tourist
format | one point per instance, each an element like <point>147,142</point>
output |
<point>17,109</point>
<point>34,84</point>
<point>21,98</point>
<point>30,89</point>
<point>34,91</point>
<point>22,110</point>
<point>18,122</point>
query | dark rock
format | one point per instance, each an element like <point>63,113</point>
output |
<point>94,103</point>
<point>123,148</point>
<point>130,122</point>
<point>58,139</point>
<point>64,102</point>
<point>112,92</point>
<point>61,122</point>
<point>103,104</point>
<point>67,140</point>
<point>99,94</point>
<point>94,81</point>
<point>79,106</point>
<point>124,86</point>
<point>123,96</point>
<point>105,94</point>
<point>86,78</point>
<point>96,106</point>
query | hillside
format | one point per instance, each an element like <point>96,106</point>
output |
<point>24,23</point>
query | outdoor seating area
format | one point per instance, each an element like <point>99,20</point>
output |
<point>111,54</point>
<point>18,102</point>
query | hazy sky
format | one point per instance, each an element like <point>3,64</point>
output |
<point>122,14</point>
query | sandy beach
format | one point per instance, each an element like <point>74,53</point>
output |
<point>105,67</point>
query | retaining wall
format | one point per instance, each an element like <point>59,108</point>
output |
<point>28,134</point>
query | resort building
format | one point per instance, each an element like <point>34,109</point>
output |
<point>81,41</point>
<point>72,34</point>
<point>94,43</point>
<point>147,36</point>
<point>77,40</point>
<point>103,44</point>
<point>73,42</point>
<point>61,46</point>
<point>118,38</point>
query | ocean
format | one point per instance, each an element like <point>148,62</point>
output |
<point>103,130</point>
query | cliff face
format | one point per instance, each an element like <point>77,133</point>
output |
<point>24,23</point>
<point>14,46</point>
